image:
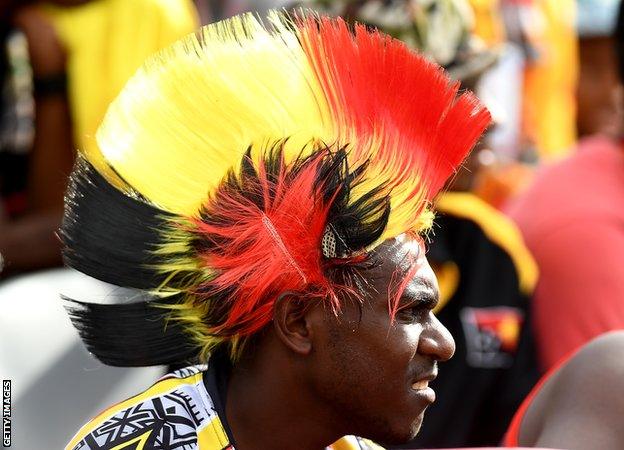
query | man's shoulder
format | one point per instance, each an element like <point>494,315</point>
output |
<point>175,411</point>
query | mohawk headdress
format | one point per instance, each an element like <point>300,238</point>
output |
<point>249,162</point>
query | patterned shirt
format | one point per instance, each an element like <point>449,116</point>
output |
<point>182,411</point>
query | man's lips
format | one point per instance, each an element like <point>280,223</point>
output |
<point>422,390</point>
<point>420,385</point>
<point>423,382</point>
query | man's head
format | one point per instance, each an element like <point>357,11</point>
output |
<point>266,175</point>
<point>368,366</point>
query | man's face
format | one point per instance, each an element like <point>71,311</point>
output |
<point>372,371</point>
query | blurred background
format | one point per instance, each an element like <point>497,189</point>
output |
<point>529,237</point>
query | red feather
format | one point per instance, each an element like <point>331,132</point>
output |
<point>266,250</point>
<point>376,86</point>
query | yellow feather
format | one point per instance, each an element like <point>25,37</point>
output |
<point>191,112</point>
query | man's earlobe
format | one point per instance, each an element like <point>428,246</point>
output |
<point>291,323</point>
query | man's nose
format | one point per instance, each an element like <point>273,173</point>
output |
<point>436,341</point>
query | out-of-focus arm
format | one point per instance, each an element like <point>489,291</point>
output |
<point>583,406</point>
<point>29,242</point>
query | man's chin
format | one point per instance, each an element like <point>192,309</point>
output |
<point>404,435</point>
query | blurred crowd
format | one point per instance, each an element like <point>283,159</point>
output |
<point>529,235</point>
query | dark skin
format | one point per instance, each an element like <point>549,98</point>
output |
<point>321,376</point>
<point>29,242</point>
<point>581,406</point>
<point>599,109</point>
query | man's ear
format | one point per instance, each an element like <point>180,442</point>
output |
<point>292,322</point>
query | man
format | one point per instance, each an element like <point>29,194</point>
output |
<point>485,273</point>
<point>270,186</point>
<point>572,222</point>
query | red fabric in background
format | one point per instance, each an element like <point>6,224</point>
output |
<point>572,220</point>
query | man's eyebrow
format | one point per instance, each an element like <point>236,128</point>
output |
<point>415,294</point>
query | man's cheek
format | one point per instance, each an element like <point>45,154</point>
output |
<point>408,336</point>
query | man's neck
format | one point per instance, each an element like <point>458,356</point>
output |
<point>269,408</point>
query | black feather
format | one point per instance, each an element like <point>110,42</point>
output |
<point>359,222</point>
<point>132,334</point>
<point>108,234</point>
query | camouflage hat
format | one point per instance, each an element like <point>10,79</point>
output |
<point>440,29</point>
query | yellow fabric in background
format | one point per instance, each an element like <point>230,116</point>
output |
<point>549,110</point>
<point>489,25</point>
<point>549,98</point>
<point>106,41</point>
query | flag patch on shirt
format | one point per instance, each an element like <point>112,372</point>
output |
<point>492,335</point>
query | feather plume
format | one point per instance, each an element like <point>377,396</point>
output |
<point>190,114</point>
<point>131,335</point>
<point>108,234</point>
<point>241,146</point>
<point>397,110</point>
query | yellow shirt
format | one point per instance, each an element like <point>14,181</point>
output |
<point>106,41</point>
<point>175,412</point>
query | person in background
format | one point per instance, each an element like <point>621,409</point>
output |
<point>36,147</point>
<point>579,404</point>
<point>546,31</point>
<point>534,86</point>
<point>599,111</point>
<point>63,61</point>
<point>573,222</point>
<point>486,274</point>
